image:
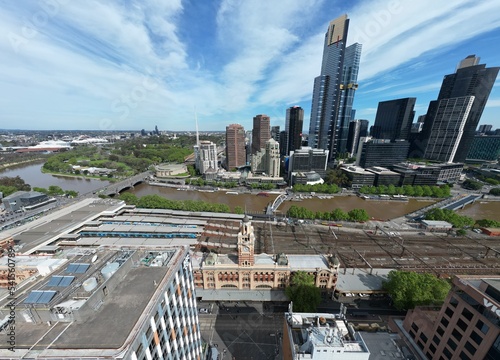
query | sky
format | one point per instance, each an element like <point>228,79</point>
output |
<point>134,64</point>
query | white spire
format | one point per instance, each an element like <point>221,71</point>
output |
<point>197,134</point>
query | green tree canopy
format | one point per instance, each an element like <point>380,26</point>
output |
<point>495,191</point>
<point>472,184</point>
<point>450,216</point>
<point>410,289</point>
<point>303,293</point>
<point>487,223</point>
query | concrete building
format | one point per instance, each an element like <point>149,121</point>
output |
<point>431,225</point>
<point>358,176</point>
<point>264,274</point>
<point>384,176</point>
<point>307,159</point>
<point>261,132</point>
<point>318,336</point>
<point>206,158</point>
<point>24,199</point>
<point>447,128</point>
<point>120,304</point>
<point>267,160</point>
<point>334,88</point>
<point>466,327</point>
<point>235,146</point>
<point>428,174</point>
<point>170,170</point>
<point>306,178</point>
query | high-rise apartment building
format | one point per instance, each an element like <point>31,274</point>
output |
<point>394,118</point>
<point>267,160</point>
<point>235,146</point>
<point>381,152</point>
<point>485,147</point>
<point>261,132</point>
<point>206,156</point>
<point>470,79</point>
<point>114,304</point>
<point>333,92</point>
<point>466,327</point>
<point>293,128</point>
<point>447,128</point>
<point>357,130</point>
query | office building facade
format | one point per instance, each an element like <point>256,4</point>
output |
<point>235,146</point>
<point>466,327</point>
<point>275,133</point>
<point>357,130</point>
<point>267,161</point>
<point>381,152</point>
<point>484,128</point>
<point>334,88</point>
<point>394,119</point>
<point>261,132</point>
<point>485,148</point>
<point>307,159</point>
<point>206,157</point>
<point>447,128</point>
<point>470,79</point>
<point>293,129</point>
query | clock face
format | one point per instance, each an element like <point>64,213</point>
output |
<point>246,248</point>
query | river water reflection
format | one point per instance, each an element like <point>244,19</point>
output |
<point>32,174</point>
<point>253,203</point>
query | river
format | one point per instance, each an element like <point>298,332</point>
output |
<point>254,203</point>
<point>33,175</point>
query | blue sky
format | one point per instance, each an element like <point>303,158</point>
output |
<point>134,64</point>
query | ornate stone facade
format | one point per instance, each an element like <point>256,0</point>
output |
<point>250,271</point>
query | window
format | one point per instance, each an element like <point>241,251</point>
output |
<point>440,331</point>
<point>470,348</point>
<point>449,312</point>
<point>453,301</point>
<point>445,322</point>
<point>447,353</point>
<point>423,337</point>
<point>432,348</point>
<point>462,325</point>
<point>463,356</point>
<point>414,327</point>
<point>452,344</point>
<point>476,337</point>
<point>456,334</point>
<point>467,314</point>
<point>482,326</point>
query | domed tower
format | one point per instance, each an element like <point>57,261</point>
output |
<point>246,240</point>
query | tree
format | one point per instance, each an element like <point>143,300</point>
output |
<point>303,293</point>
<point>450,216</point>
<point>472,184</point>
<point>55,190</point>
<point>358,215</point>
<point>495,192</point>
<point>410,289</point>
<point>238,210</point>
<point>487,223</point>
<point>129,198</point>
<point>461,232</point>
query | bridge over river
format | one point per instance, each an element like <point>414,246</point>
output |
<point>129,183</point>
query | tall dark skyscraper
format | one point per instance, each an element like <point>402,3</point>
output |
<point>469,79</point>
<point>293,128</point>
<point>275,132</point>
<point>394,118</point>
<point>334,88</point>
<point>261,132</point>
<point>357,130</point>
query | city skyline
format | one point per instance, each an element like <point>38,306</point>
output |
<point>66,68</point>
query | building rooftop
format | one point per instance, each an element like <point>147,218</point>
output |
<point>436,223</point>
<point>320,336</point>
<point>381,171</point>
<point>356,170</point>
<point>299,262</point>
<point>361,280</point>
<point>76,306</point>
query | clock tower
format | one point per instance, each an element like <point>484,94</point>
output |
<point>246,239</point>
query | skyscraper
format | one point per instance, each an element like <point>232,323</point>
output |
<point>470,79</point>
<point>275,132</point>
<point>293,128</point>
<point>206,156</point>
<point>235,146</point>
<point>261,132</point>
<point>447,128</point>
<point>394,118</point>
<point>357,130</point>
<point>334,88</point>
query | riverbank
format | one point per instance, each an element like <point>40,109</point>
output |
<point>20,163</point>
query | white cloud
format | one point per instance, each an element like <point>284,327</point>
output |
<point>493,103</point>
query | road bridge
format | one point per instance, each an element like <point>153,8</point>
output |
<point>129,183</point>
<point>460,203</point>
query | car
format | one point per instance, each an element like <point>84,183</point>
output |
<point>204,311</point>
